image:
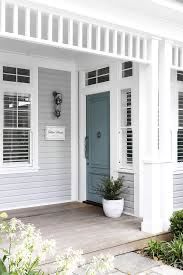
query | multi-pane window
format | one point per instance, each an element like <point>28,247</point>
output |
<point>180,128</point>
<point>17,127</point>
<point>13,74</point>
<point>97,76</point>
<point>127,69</point>
<point>126,138</point>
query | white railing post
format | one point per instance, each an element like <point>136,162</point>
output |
<point>3,15</point>
<point>176,57</point>
<point>98,38</point>
<point>70,34</point>
<point>39,25</point>
<point>15,19</point>
<point>106,43</point>
<point>89,36</point>
<point>115,42</point>
<point>138,47</point>
<point>181,57</point>
<point>145,49</point>
<point>123,43</point>
<point>50,27</point>
<point>60,30</point>
<point>27,22</point>
<point>80,34</point>
<point>130,46</point>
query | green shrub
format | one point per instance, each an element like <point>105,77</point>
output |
<point>170,253</point>
<point>176,222</point>
<point>154,249</point>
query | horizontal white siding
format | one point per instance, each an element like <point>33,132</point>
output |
<point>128,192</point>
<point>52,183</point>
<point>178,191</point>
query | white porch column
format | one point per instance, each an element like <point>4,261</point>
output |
<point>148,90</point>
<point>155,118</point>
<point>165,134</point>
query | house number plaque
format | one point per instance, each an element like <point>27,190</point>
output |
<point>55,133</point>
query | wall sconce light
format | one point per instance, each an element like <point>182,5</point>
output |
<point>58,102</point>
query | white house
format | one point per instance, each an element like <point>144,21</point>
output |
<point>116,71</point>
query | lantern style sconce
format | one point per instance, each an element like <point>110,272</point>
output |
<point>58,102</point>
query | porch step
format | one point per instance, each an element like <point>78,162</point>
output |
<point>117,250</point>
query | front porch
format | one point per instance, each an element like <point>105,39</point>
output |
<point>83,226</point>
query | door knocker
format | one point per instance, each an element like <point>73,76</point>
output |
<point>99,134</point>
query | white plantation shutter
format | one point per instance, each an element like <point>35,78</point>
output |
<point>16,131</point>
<point>126,132</point>
<point>180,128</point>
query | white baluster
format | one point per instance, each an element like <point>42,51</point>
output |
<point>60,30</point>
<point>145,49</point>
<point>123,43</point>
<point>138,47</point>
<point>176,57</point>
<point>106,44</point>
<point>80,34</point>
<point>98,38</point>
<point>115,42</point>
<point>181,57</point>
<point>39,24</point>
<point>70,34</point>
<point>3,15</point>
<point>27,22</point>
<point>130,45</point>
<point>50,27</point>
<point>15,19</point>
<point>89,36</point>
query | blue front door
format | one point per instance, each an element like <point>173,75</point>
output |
<point>97,142</point>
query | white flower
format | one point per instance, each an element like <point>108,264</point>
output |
<point>68,262</point>
<point>100,264</point>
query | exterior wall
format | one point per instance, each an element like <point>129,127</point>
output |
<point>178,191</point>
<point>52,182</point>
<point>128,192</point>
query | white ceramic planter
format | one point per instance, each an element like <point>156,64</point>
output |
<point>113,208</point>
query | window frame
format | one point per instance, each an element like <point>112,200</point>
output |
<point>20,88</point>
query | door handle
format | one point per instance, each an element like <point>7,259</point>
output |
<point>87,147</point>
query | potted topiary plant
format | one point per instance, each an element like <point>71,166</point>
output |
<point>111,191</point>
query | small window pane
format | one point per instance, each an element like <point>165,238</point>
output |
<point>91,74</point>
<point>23,72</point>
<point>127,73</point>
<point>126,65</point>
<point>103,71</point>
<point>10,119</point>
<point>23,79</point>
<point>9,77</point>
<point>103,78</point>
<point>9,70</point>
<point>91,81</point>
<point>180,76</point>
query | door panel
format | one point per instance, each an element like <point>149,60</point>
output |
<point>97,142</point>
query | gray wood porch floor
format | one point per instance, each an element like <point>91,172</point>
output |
<point>83,226</point>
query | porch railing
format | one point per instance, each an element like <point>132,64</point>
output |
<point>54,27</point>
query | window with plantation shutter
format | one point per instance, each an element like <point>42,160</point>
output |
<point>126,130</point>
<point>16,130</point>
<point>180,128</point>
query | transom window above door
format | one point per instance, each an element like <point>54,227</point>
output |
<point>97,76</point>
<point>127,69</point>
